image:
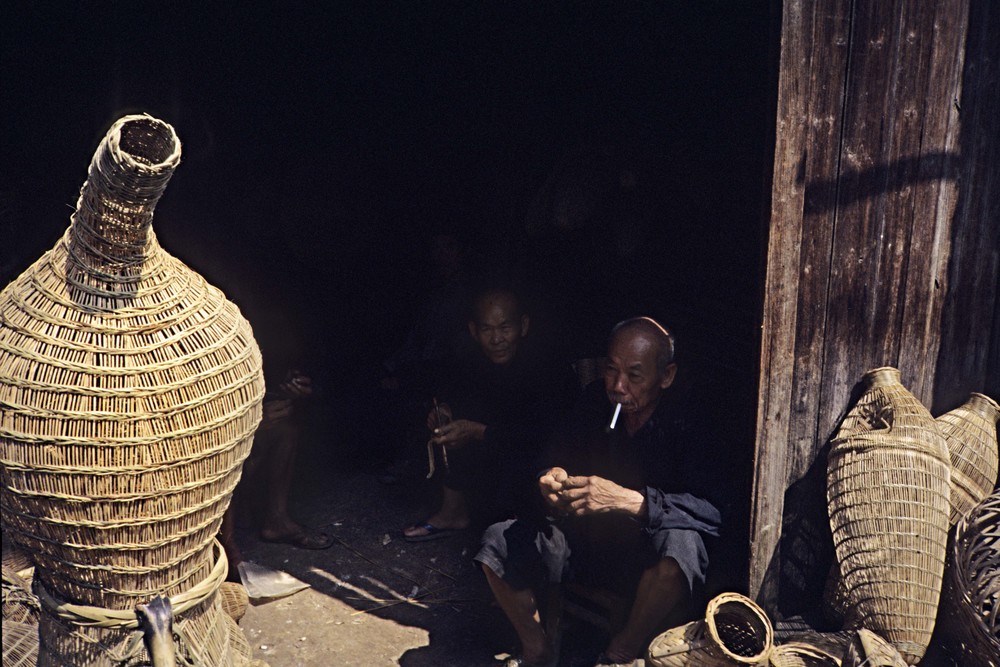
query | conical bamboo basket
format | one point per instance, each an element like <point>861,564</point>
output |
<point>735,631</point>
<point>130,392</point>
<point>888,494</point>
<point>971,433</point>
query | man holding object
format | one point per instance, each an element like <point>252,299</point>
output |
<point>619,504</point>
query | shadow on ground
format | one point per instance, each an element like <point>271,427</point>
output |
<point>375,599</point>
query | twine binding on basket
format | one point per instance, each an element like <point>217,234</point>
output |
<point>888,493</point>
<point>74,616</point>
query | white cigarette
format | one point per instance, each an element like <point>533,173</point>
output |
<point>614,419</point>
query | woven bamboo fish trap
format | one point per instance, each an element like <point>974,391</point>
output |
<point>888,489</point>
<point>735,631</point>
<point>130,390</point>
<point>867,649</point>
<point>972,594</point>
<point>971,433</point>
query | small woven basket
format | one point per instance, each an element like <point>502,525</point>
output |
<point>971,433</point>
<point>234,599</point>
<point>888,492</point>
<point>867,649</point>
<point>735,631</point>
<point>972,594</point>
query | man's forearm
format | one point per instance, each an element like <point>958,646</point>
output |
<point>632,503</point>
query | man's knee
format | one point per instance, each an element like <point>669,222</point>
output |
<point>494,539</point>
<point>667,573</point>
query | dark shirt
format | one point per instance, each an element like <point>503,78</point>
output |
<point>665,460</point>
<point>520,403</point>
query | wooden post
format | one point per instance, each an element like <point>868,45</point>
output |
<point>863,199</point>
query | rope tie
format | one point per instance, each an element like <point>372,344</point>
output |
<point>126,619</point>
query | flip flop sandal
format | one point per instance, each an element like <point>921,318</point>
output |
<point>432,533</point>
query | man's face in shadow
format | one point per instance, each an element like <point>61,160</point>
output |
<point>632,377</point>
<point>498,327</point>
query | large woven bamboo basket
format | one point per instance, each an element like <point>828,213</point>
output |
<point>735,631</point>
<point>972,594</point>
<point>130,391</point>
<point>888,490</point>
<point>971,433</point>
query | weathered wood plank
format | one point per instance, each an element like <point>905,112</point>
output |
<point>831,25</point>
<point>781,283</point>
<point>935,197</point>
<point>860,213</point>
<point>969,356</point>
<point>808,130</point>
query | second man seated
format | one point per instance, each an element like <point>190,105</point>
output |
<point>491,419</point>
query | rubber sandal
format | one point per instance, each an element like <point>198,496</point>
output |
<point>433,533</point>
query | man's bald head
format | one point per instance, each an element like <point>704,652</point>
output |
<point>652,331</point>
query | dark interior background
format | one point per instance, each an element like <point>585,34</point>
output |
<point>611,157</point>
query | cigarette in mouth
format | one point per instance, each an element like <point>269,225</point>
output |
<point>614,418</point>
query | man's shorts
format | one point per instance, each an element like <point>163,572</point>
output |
<point>527,554</point>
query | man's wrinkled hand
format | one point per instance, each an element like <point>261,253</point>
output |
<point>591,494</point>
<point>551,485</point>
<point>458,433</point>
<point>437,418</point>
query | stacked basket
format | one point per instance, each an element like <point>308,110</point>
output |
<point>888,494</point>
<point>130,391</point>
<point>971,433</point>
<point>972,593</point>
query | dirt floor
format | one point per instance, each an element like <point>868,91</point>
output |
<point>375,599</point>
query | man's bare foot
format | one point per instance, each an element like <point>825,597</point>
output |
<point>619,651</point>
<point>289,532</point>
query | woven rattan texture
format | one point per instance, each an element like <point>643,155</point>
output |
<point>234,600</point>
<point>19,603</point>
<point>971,433</point>
<point>888,494</point>
<point>20,644</point>
<point>973,591</point>
<point>802,654</point>
<point>735,631</point>
<point>130,390</point>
